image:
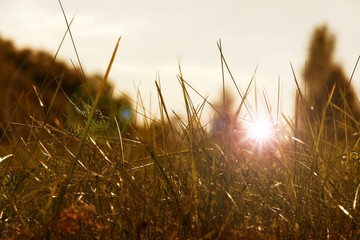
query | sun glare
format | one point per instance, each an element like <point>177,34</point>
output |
<point>260,130</point>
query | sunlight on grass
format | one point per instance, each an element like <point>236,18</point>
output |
<point>179,177</point>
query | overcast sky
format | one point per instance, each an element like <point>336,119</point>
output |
<point>156,34</point>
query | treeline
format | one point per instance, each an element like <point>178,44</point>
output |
<point>37,89</point>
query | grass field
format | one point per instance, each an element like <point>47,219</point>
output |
<point>183,178</point>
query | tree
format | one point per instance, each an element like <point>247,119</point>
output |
<point>329,99</point>
<point>28,83</point>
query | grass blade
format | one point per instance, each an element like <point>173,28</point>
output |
<point>84,133</point>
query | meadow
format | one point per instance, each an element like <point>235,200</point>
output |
<point>182,177</point>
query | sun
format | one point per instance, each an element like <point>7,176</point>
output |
<point>260,130</point>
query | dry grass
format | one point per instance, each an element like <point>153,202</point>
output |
<point>181,180</point>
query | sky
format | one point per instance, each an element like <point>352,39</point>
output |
<point>158,35</point>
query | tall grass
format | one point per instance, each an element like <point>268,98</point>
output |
<point>180,179</point>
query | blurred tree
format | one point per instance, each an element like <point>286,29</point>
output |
<point>28,83</point>
<point>321,74</point>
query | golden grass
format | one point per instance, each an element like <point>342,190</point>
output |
<point>181,179</point>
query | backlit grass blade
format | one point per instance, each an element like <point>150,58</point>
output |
<point>84,133</point>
